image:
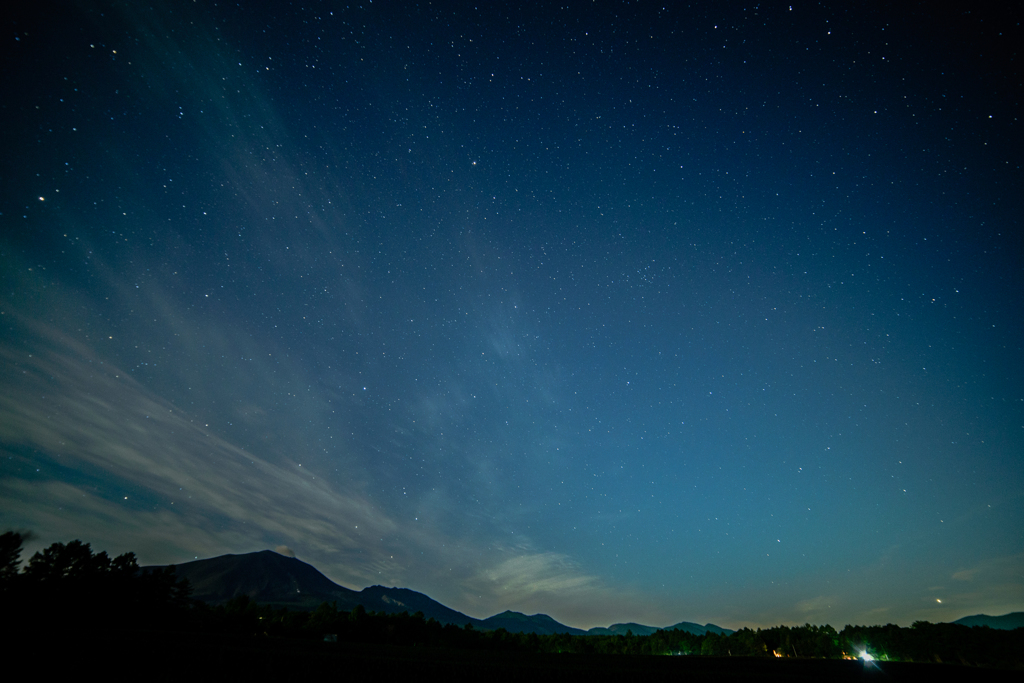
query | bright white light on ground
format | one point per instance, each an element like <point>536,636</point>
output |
<point>866,656</point>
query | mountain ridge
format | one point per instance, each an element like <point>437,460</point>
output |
<point>643,630</point>
<point>541,624</point>
<point>1006,622</point>
<point>270,578</point>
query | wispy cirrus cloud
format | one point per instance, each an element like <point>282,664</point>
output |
<point>94,454</point>
<point>530,580</point>
<point>100,440</point>
<point>527,576</point>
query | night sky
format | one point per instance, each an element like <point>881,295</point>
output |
<point>613,312</point>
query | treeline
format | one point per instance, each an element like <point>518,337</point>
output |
<point>242,616</point>
<point>922,642</point>
<point>68,586</point>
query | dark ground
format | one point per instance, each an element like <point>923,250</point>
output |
<point>176,656</point>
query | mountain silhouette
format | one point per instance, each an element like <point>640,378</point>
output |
<point>623,629</point>
<point>1007,622</point>
<point>517,622</point>
<point>270,578</point>
<point>266,577</point>
<point>397,600</point>
<point>641,630</point>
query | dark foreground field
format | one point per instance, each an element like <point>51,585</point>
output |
<point>179,656</point>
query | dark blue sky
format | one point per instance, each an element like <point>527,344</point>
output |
<point>615,311</point>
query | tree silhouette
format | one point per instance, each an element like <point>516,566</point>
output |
<point>74,561</point>
<point>86,588</point>
<point>10,555</point>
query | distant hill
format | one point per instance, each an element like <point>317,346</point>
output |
<point>699,630</point>
<point>623,629</point>
<point>270,578</point>
<point>1007,622</point>
<point>517,622</point>
<point>265,577</point>
<point>641,630</point>
<point>397,600</point>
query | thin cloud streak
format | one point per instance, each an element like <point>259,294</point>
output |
<point>176,490</point>
<point>93,416</point>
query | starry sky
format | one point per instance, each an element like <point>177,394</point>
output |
<point>613,311</point>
